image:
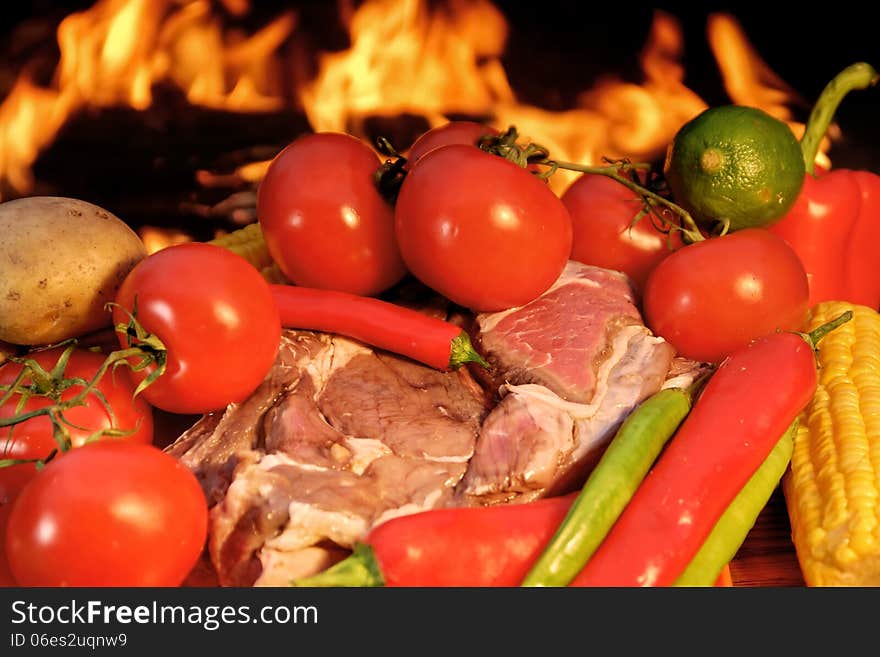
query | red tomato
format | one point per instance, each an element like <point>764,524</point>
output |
<point>602,212</point>
<point>480,230</point>
<point>34,439</point>
<point>108,514</point>
<point>711,297</point>
<point>454,132</point>
<point>325,223</point>
<point>216,317</point>
<point>8,494</point>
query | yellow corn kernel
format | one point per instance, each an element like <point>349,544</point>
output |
<point>248,242</point>
<point>832,490</point>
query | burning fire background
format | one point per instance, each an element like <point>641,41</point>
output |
<point>167,111</point>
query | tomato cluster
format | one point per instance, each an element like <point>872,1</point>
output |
<point>198,329</point>
<point>476,228</point>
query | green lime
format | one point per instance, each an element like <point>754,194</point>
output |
<point>735,165</point>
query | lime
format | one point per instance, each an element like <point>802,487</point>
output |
<point>735,165</point>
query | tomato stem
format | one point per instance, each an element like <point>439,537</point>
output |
<point>141,344</point>
<point>690,231</point>
<point>390,175</point>
<point>53,383</point>
<point>505,145</point>
<point>857,76</point>
<point>39,463</point>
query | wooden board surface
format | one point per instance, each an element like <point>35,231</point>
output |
<point>767,557</point>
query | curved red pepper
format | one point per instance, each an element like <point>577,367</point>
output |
<point>834,226</point>
<point>749,402</point>
<point>404,331</point>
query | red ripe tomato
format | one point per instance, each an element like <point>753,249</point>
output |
<point>108,514</point>
<point>34,439</point>
<point>12,481</point>
<point>454,132</point>
<point>6,578</point>
<point>325,222</point>
<point>602,213</point>
<point>714,296</point>
<point>480,230</point>
<point>216,317</point>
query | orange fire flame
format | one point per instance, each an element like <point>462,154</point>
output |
<point>405,57</point>
<point>113,54</point>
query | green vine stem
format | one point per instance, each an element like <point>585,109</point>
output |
<point>143,351</point>
<point>525,155</point>
<point>52,384</point>
<point>690,230</point>
<point>857,76</point>
<point>143,345</point>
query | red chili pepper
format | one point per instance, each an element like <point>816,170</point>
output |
<point>749,402</point>
<point>475,546</point>
<point>834,226</point>
<point>429,340</point>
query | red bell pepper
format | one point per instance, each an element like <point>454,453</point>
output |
<point>834,226</point>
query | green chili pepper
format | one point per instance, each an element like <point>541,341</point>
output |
<point>737,521</point>
<point>612,483</point>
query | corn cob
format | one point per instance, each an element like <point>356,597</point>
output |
<point>248,242</point>
<point>832,489</point>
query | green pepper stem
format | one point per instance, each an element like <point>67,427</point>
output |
<point>461,351</point>
<point>820,332</point>
<point>856,76</point>
<point>358,570</point>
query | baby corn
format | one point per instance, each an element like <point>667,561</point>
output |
<point>248,242</point>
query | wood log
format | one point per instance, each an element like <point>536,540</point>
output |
<point>142,165</point>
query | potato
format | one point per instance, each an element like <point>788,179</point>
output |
<point>61,261</point>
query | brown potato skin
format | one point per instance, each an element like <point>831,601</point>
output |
<point>61,261</point>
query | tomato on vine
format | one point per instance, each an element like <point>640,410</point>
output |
<point>206,322</point>
<point>613,229</point>
<point>49,392</point>
<point>454,132</point>
<point>480,230</point>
